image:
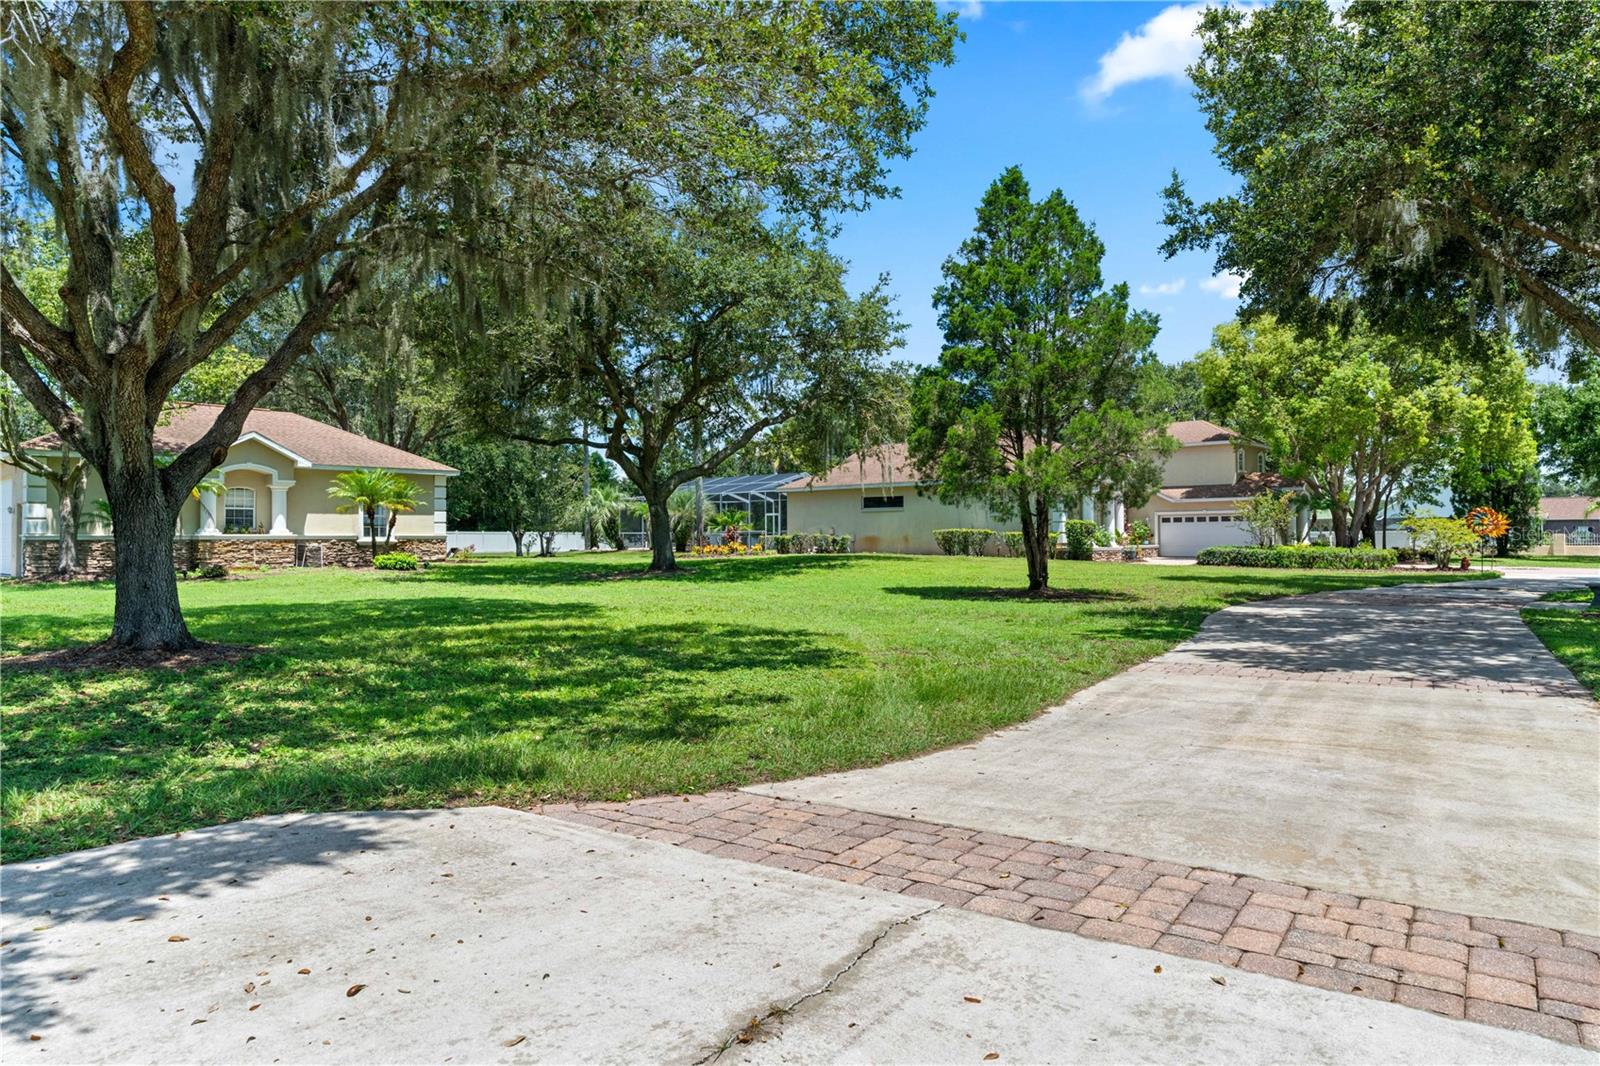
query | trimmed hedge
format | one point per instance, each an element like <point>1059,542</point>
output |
<point>807,543</point>
<point>963,541</point>
<point>395,561</point>
<point>1081,538</point>
<point>1301,557</point>
<point>1013,542</point>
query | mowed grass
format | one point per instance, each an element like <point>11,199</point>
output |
<point>1580,562</point>
<point>1572,636</point>
<point>523,680</point>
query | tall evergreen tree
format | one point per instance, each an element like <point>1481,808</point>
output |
<point>1036,398</point>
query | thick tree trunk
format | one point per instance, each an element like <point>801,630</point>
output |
<point>516,542</point>
<point>147,615</point>
<point>662,560</point>
<point>71,504</point>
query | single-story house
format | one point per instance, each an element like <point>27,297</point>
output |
<point>274,507</point>
<point>881,502</point>
<point>1576,516</point>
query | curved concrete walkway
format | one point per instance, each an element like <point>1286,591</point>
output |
<point>1414,743</point>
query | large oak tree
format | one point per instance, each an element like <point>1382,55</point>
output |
<point>1436,163</point>
<point>330,140</point>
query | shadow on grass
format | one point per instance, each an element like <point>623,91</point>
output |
<point>354,703</point>
<point>562,570</point>
<point>1010,595</point>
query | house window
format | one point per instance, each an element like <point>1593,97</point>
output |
<point>1238,461</point>
<point>376,524</point>
<point>882,503</point>
<point>1261,462</point>
<point>239,510</point>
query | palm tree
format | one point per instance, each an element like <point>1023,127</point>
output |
<point>601,512</point>
<point>366,492</point>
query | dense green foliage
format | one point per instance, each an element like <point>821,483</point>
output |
<point>1567,422</point>
<point>1036,398</point>
<point>513,681</point>
<point>394,561</point>
<point>963,541</point>
<point>515,486</point>
<point>1300,557</point>
<point>1269,517</point>
<point>1081,536</point>
<point>1434,161</point>
<point>1361,416</point>
<point>341,148</point>
<point>1441,539</point>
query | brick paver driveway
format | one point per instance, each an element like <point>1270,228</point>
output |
<point>1393,792</point>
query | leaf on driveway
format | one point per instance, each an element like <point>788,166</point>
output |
<point>352,990</point>
<point>514,1041</point>
<point>972,999</point>
<point>1220,980</point>
<point>303,969</point>
<point>176,938</point>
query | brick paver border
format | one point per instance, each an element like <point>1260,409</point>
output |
<point>1509,974</point>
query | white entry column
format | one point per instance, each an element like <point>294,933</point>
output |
<point>1119,515</point>
<point>280,507</point>
<point>210,508</point>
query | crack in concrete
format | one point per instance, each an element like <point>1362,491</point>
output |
<point>757,1023</point>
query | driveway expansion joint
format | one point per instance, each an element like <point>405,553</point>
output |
<point>1515,975</point>
<point>757,1028</point>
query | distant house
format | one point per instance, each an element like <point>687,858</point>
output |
<point>880,501</point>
<point>1572,515</point>
<point>274,507</point>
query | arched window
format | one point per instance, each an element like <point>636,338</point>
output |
<point>239,510</point>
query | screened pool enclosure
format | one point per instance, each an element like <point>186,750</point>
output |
<point>766,510</point>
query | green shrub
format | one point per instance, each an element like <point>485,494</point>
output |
<point>1013,542</point>
<point>395,561</point>
<point>1081,538</point>
<point>962,541</point>
<point>783,543</point>
<point>841,544</point>
<point>1444,540</point>
<point>1301,557</point>
<point>1139,531</point>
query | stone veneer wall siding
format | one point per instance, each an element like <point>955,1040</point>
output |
<point>97,557</point>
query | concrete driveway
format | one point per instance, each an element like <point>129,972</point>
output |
<point>1415,743</point>
<point>489,935</point>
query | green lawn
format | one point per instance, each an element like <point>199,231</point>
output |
<point>511,681</point>
<point>1572,636</point>
<point>1581,561</point>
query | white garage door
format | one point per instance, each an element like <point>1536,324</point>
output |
<point>1184,535</point>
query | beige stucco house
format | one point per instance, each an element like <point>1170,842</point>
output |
<point>274,508</point>
<point>881,502</point>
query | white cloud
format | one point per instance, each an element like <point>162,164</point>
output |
<point>970,10</point>
<point>1163,47</point>
<point>1163,288</point>
<point>1225,285</point>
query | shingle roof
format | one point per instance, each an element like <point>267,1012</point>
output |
<point>1248,485</point>
<point>1567,508</point>
<point>315,442</point>
<point>889,465</point>
<point>1199,431</point>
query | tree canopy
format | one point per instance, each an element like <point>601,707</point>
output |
<point>1437,162</point>
<point>1567,423</point>
<point>1361,416</point>
<point>1036,398</point>
<point>332,140</point>
<point>719,327</point>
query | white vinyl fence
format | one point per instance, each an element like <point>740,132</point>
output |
<point>502,543</point>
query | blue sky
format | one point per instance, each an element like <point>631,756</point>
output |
<point>1086,97</point>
